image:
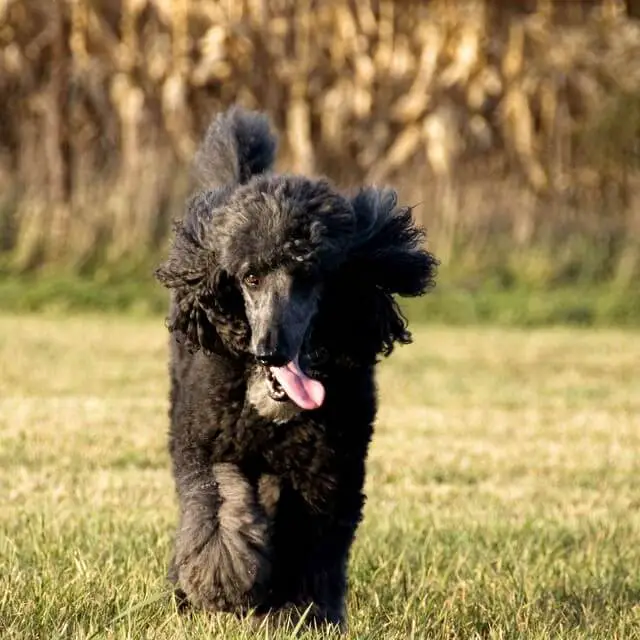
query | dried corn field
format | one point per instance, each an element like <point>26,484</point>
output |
<point>515,124</point>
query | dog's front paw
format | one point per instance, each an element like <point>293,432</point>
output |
<point>222,549</point>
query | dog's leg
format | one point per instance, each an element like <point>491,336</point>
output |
<point>323,583</point>
<point>311,554</point>
<point>315,587</point>
<point>221,560</point>
<point>269,493</point>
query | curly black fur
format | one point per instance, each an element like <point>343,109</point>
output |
<point>271,495</point>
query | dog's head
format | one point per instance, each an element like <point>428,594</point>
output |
<point>278,268</point>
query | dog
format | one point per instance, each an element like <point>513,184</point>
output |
<point>282,302</point>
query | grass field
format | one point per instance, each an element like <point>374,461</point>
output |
<point>504,487</point>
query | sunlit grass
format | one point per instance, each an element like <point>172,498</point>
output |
<point>503,487</point>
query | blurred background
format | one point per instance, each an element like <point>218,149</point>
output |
<point>514,127</point>
<point>502,480</point>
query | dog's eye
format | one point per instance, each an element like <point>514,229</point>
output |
<point>251,280</point>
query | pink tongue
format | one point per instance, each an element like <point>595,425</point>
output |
<point>305,392</point>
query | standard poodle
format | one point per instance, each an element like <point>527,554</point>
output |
<point>281,304</point>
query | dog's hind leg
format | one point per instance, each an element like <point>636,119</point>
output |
<point>221,559</point>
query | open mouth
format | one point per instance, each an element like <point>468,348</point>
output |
<point>274,388</point>
<point>291,383</point>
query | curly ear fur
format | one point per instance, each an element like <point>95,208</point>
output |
<point>388,246</point>
<point>386,258</point>
<point>207,310</point>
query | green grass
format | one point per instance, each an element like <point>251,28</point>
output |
<point>453,302</point>
<point>504,499</point>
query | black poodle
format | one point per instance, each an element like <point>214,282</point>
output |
<point>281,305</point>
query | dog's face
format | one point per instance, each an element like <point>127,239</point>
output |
<point>260,262</point>
<point>280,304</point>
<point>278,238</point>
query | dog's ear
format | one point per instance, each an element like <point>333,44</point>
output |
<point>207,309</point>
<point>388,248</point>
<point>237,145</point>
<point>387,257</point>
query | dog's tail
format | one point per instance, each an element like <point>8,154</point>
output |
<point>238,144</point>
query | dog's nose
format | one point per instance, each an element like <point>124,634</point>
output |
<point>271,358</point>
